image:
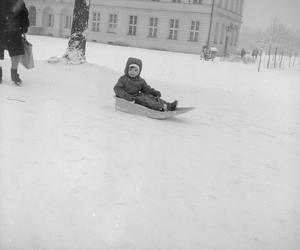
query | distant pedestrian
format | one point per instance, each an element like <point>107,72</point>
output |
<point>243,53</point>
<point>254,54</point>
<point>14,23</point>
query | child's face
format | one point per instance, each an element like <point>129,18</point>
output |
<point>133,71</point>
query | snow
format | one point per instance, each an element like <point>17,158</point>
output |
<point>76,174</point>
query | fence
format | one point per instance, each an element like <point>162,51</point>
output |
<point>276,60</point>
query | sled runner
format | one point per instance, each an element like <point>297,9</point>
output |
<point>133,108</point>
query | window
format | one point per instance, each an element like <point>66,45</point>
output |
<point>153,27</point>
<point>32,16</point>
<point>50,20</point>
<point>216,33</point>
<point>194,32</point>
<point>96,22</point>
<point>222,34</point>
<point>68,22</point>
<point>197,1</point>
<point>132,25</point>
<point>112,22</point>
<point>173,32</point>
<point>176,1</point>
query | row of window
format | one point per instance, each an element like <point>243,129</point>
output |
<point>190,1</point>
<point>132,26</point>
<point>232,5</point>
<point>173,31</point>
<point>50,19</point>
<point>152,29</point>
<point>185,1</point>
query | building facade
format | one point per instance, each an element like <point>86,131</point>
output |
<point>173,25</point>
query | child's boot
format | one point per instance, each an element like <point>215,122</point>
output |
<point>15,77</point>
<point>0,75</point>
<point>165,107</point>
<point>171,106</point>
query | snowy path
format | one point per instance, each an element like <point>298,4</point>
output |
<point>76,174</point>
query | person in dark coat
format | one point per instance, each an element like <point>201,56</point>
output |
<point>254,54</point>
<point>243,53</point>
<point>14,23</point>
<point>133,88</point>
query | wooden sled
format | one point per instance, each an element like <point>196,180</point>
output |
<point>133,108</point>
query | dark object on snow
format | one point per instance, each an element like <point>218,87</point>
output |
<point>208,53</point>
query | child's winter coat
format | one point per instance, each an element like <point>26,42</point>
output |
<point>136,89</point>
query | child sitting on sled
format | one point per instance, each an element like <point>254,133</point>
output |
<point>134,88</point>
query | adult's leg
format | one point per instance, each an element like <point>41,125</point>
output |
<point>15,49</point>
<point>1,58</point>
<point>15,60</point>
<point>14,69</point>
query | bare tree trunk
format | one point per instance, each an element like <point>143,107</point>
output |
<point>76,47</point>
<point>271,42</point>
<point>275,57</point>
<point>280,64</point>
<point>259,64</point>
<point>295,56</point>
<point>269,55</point>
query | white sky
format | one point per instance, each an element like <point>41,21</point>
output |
<point>260,13</point>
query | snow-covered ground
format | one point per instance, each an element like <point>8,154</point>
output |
<point>76,174</point>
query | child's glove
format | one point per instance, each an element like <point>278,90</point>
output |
<point>23,30</point>
<point>156,93</point>
<point>130,98</point>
